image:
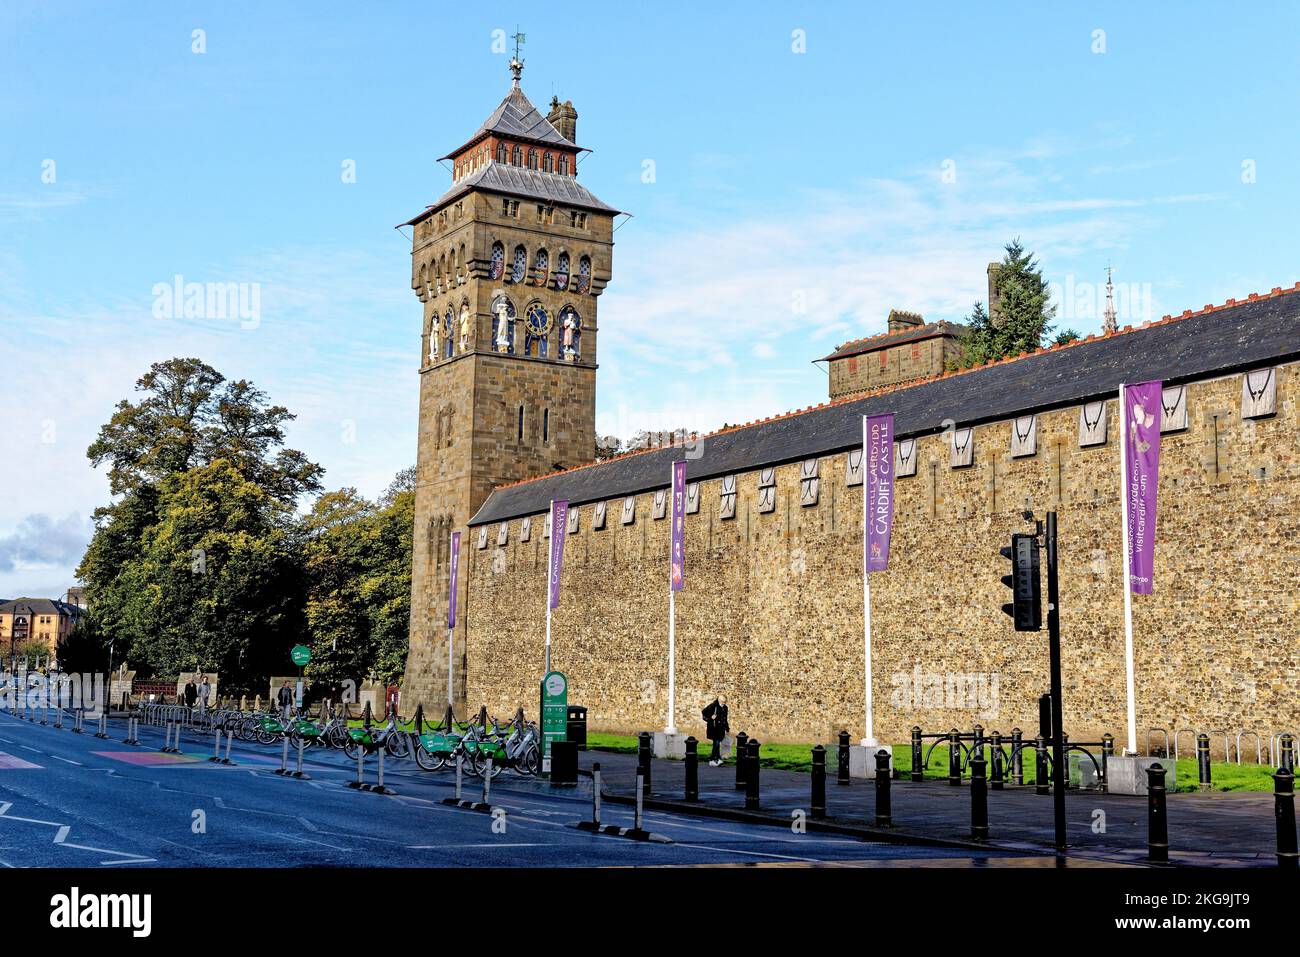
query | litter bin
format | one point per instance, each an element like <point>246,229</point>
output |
<point>564,762</point>
<point>576,726</point>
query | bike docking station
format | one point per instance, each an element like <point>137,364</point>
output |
<point>283,769</point>
<point>216,746</point>
<point>637,831</point>
<point>457,800</point>
<point>360,783</point>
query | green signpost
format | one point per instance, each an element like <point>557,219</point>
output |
<point>301,655</point>
<point>555,713</point>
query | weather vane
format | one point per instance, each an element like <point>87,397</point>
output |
<point>517,64</point>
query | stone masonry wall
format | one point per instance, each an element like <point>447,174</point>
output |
<point>772,610</point>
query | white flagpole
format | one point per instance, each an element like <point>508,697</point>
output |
<point>546,592</point>
<point>870,738</point>
<point>669,727</point>
<point>1128,572</point>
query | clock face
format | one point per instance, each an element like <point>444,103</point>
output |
<point>539,323</point>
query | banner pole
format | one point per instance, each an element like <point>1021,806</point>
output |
<point>869,738</point>
<point>1128,573</point>
<point>669,727</point>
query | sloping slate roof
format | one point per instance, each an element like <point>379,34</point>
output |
<point>1229,339</point>
<point>884,339</point>
<point>518,181</point>
<point>516,117</point>
<point>39,606</point>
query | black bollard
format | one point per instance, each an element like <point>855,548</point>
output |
<point>692,770</point>
<point>365,716</point>
<point>977,748</point>
<point>1017,756</point>
<point>1042,785</point>
<point>884,813</point>
<point>751,776</point>
<point>1157,822</point>
<point>1284,811</point>
<point>1107,752</point>
<point>417,723</point>
<point>741,741</point>
<point>819,782</point>
<point>979,801</point>
<point>918,770</point>
<point>842,771</point>
<point>448,721</point>
<point>643,755</point>
<point>1203,759</point>
<point>1286,759</point>
<point>954,758</point>
<point>995,780</point>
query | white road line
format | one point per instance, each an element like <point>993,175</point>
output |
<point>736,850</point>
<point>66,760</point>
<point>439,847</point>
<point>34,750</point>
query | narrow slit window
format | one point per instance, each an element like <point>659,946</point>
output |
<point>521,423</point>
<point>546,425</point>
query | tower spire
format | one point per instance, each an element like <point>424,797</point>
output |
<point>1108,323</point>
<point>517,64</point>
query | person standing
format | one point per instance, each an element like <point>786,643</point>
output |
<point>191,693</point>
<point>716,727</point>
<point>205,692</point>
<point>285,698</point>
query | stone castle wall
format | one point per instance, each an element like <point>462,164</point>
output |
<point>901,363</point>
<point>772,610</point>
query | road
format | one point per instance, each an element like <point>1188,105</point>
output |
<point>73,800</point>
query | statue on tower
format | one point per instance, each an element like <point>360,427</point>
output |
<point>435,340</point>
<point>570,334</point>
<point>464,328</point>
<point>503,342</point>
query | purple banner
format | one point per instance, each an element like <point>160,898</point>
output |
<point>455,575</point>
<point>559,527</point>
<point>877,490</point>
<point>678,575</point>
<point>1140,419</point>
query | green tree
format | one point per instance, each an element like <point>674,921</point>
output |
<point>1022,320</point>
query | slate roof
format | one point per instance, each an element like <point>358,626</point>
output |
<point>518,181</point>
<point>1260,331</point>
<point>517,118</point>
<point>39,606</point>
<point>885,339</point>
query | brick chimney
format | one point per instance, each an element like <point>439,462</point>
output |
<point>900,320</point>
<point>564,118</point>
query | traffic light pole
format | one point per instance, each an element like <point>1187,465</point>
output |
<point>1054,652</point>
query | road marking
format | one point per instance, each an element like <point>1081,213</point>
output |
<point>736,850</point>
<point>25,748</point>
<point>439,847</point>
<point>9,762</point>
<point>67,760</point>
<point>61,838</point>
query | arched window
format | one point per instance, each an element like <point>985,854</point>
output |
<point>541,268</point>
<point>518,156</point>
<point>564,164</point>
<point>537,328</point>
<point>532,159</point>
<point>501,152</point>
<point>584,275</point>
<point>498,265</point>
<point>570,334</point>
<point>548,163</point>
<point>562,272</point>
<point>520,265</point>
<point>503,325</point>
<point>447,342</point>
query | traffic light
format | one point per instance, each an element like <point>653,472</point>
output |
<point>1027,607</point>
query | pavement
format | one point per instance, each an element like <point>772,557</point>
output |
<point>1224,829</point>
<point>74,800</point>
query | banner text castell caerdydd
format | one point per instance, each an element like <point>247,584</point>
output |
<point>1142,445</point>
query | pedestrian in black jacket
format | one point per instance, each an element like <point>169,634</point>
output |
<point>716,727</point>
<point>191,693</point>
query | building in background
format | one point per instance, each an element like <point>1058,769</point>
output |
<point>25,622</point>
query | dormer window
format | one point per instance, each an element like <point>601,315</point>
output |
<point>564,164</point>
<point>518,156</point>
<point>532,159</point>
<point>548,163</point>
<point>501,153</point>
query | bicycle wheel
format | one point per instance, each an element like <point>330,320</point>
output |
<point>532,760</point>
<point>427,759</point>
<point>397,744</point>
<point>481,764</point>
<point>266,737</point>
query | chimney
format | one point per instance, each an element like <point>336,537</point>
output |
<point>564,118</point>
<point>901,320</point>
<point>995,301</point>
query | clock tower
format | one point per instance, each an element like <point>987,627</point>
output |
<point>508,265</point>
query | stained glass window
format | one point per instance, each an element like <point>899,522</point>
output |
<point>498,260</point>
<point>520,265</point>
<point>541,268</point>
<point>562,272</point>
<point>584,275</point>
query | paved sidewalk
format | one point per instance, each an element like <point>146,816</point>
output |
<point>1210,830</point>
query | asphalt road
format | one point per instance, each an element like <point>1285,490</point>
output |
<point>73,800</point>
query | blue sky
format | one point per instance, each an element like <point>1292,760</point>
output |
<point>796,196</point>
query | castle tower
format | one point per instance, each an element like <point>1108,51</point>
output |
<point>508,264</point>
